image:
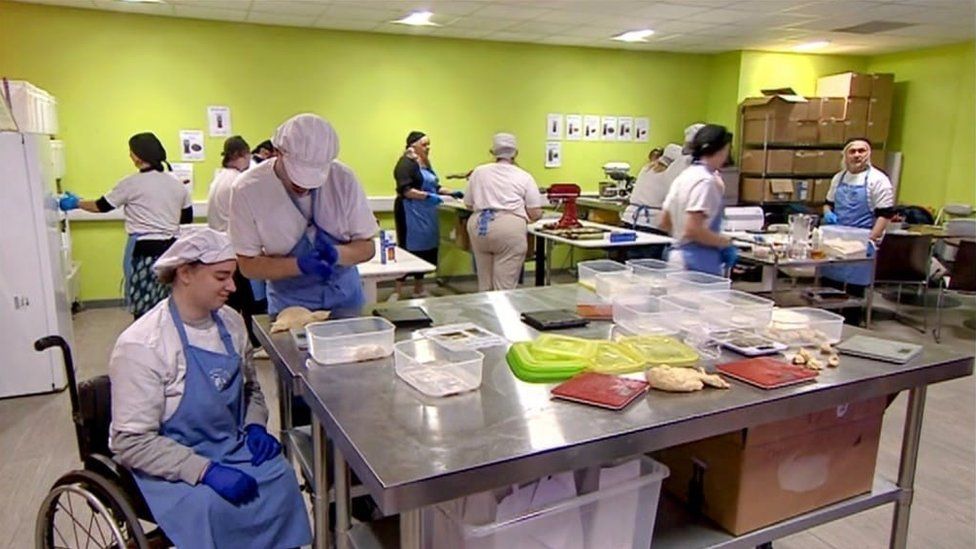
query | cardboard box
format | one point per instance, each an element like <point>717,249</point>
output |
<point>755,189</point>
<point>839,108</point>
<point>830,162</point>
<point>768,118</point>
<point>879,159</point>
<point>806,162</point>
<point>848,84</point>
<point>759,161</point>
<point>749,479</point>
<point>805,132</point>
<point>855,128</point>
<point>820,188</point>
<point>831,132</point>
<point>879,120</point>
<point>883,86</point>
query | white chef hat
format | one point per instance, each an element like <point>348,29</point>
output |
<point>201,244</point>
<point>504,145</point>
<point>307,145</point>
<point>671,153</point>
<point>690,133</point>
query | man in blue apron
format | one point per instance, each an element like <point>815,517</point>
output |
<point>692,211</point>
<point>301,221</point>
<point>188,414</point>
<point>860,196</point>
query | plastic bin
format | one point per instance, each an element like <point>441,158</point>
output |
<point>830,232</point>
<point>565,346</point>
<point>34,109</point>
<point>694,315</point>
<point>612,285</point>
<point>642,315</point>
<point>748,311</point>
<point>805,326</point>
<point>435,370</point>
<point>351,340</point>
<point>587,270</point>
<point>617,515</point>
<point>694,282</point>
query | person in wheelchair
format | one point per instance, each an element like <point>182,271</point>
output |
<point>188,414</point>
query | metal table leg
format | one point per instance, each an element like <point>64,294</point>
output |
<point>410,529</point>
<point>285,394</point>
<point>540,261</point>
<point>320,497</point>
<point>906,468</point>
<point>548,268</point>
<point>341,480</point>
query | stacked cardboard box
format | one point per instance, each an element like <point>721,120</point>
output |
<point>862,101</point>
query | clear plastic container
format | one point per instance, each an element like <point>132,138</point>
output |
<point>694,282</point>
<point>655,265</point>
<point>616,515</point>
<point>612,285</point>
<point>693,315</point>
<point>587,270</point>
<point>435,370</point>
<point>832,232</point>
<point>748,311</point>
<point>655,273</point>
<point>350,340</point>
<point>642,315</point>
<point>804,326</point>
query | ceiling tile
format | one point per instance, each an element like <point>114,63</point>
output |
<point>476,22</point>
<point>666,10</point>
<point>514,36</point>
<point>132,7</point>
<point>196,12</point>
<point>236,5</point>
<point>284,19</point>
<point>349,11</point>
<point>308,8</point>
<point>69,3</point>
<point>451,32</point>
<point>540,26</point>
<point>326,22</point>
<point>724,16</point>
<point>511,11</point>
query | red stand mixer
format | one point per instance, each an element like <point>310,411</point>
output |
<point>566,193</point>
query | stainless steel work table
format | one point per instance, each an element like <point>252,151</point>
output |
<point>411,451</point>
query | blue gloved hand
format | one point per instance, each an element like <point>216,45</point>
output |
<point>458,194</point>
<point>313,264</point>
<point>433,198</point>
<point>327,251</point>
<point>230,483</point>
<point>830,218</point>
<point>262,445</point>
<point>871,249</point>
<point>68,201</point>
<point>730,254</point>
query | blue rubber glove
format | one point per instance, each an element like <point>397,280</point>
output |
<point>68,201</point>
<point>458,194</point>
<point>327,251</point>
<point>830,218</point>
<point>872,247</point>
<point>433,199</point>
<point>230,483</point>
<point>262,445</point>
<point>313,264</point>
<point>730,254</point>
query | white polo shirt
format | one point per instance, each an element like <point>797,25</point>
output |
<point>152,202</point>
<point>265,221</point>
<point>651,188</point>
<point>503,187</point>
<point>880,192</point>
<point>218,203</point>
<point>695,190</point>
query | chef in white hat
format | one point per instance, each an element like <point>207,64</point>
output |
<point>505,199</point>
<point>188,414</point>
<point>301,221</point>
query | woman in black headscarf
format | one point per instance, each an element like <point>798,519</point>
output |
<point>155,203</point>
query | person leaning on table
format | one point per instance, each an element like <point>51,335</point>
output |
<point>505,199</point>
<point>860,196</point>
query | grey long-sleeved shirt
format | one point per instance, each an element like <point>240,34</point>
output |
<point>148,372</point>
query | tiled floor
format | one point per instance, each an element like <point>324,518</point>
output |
<point>37,445</point>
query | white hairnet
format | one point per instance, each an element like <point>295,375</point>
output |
<point>504,145</point>
<point>691,130</point>
<point>198,244</point>
<point>307,145</point>
<point>671,153</point>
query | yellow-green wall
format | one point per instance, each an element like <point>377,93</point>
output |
<point>934,123</point>
<point>116,74</point>
<point>761,70</point>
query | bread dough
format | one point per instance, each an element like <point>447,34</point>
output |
<point>826,349</point>
<point>296,317</point>
<point>682,380</point>
<point>833,361</point>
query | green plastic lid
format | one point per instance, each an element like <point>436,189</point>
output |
<point>534,367</point>
<point>565,346</point>
<point>655,350</point>
<point>615,358</point>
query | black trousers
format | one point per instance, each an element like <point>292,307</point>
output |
<point>430,256</point>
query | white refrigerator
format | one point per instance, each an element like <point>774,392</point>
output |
<point>33,294</point>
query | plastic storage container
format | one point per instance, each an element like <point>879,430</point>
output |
<point>612,357</point>
<point>565,346</point>
<point>654,272</point>
<point>612,285</point>
<point>34,109</point>
<point>587,270</point>
<point>533,366</point>
<point>694,282</point>
<point>435,370</point>
<point>642,315</point>
<point>694,315</point>
<point>829,232</point>
<point>748,311</point>
<point>656,350</point>
<point>617,515</point>
<point>805,326</point>
<point>351,340</point>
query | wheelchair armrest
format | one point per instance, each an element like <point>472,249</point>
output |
<point>111,469</point>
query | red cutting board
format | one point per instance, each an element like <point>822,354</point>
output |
<point>601,390</point>
<point>767,373</point>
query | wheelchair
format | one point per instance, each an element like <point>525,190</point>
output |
<point>99,505</point>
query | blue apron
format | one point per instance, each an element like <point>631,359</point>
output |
<point>702,258</point>
<point>209,420</point>
<point>853,210</point>
<point>423,232</point>
<point>342,293</point>
<point>648,213</point>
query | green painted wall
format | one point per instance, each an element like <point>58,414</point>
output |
<point>762,70</point>
<point>723,93</point>
<point>934,123</point>
<point>116,74</point>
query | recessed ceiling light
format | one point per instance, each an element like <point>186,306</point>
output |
<point>634,36</point>
<point>417,19</point>
<point>811,46</point>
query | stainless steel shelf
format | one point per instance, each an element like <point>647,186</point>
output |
<point>677,528</point>
<point>299,442</point>
<point>381,534</point>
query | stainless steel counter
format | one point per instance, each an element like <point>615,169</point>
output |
<point>611,205</point>
<point>411,451</point>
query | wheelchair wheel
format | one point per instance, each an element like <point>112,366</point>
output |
<point>85,509</point>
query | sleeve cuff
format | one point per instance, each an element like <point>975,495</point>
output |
<point>191,472</point>
<point>104,205</point>
<point>257,415</point>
